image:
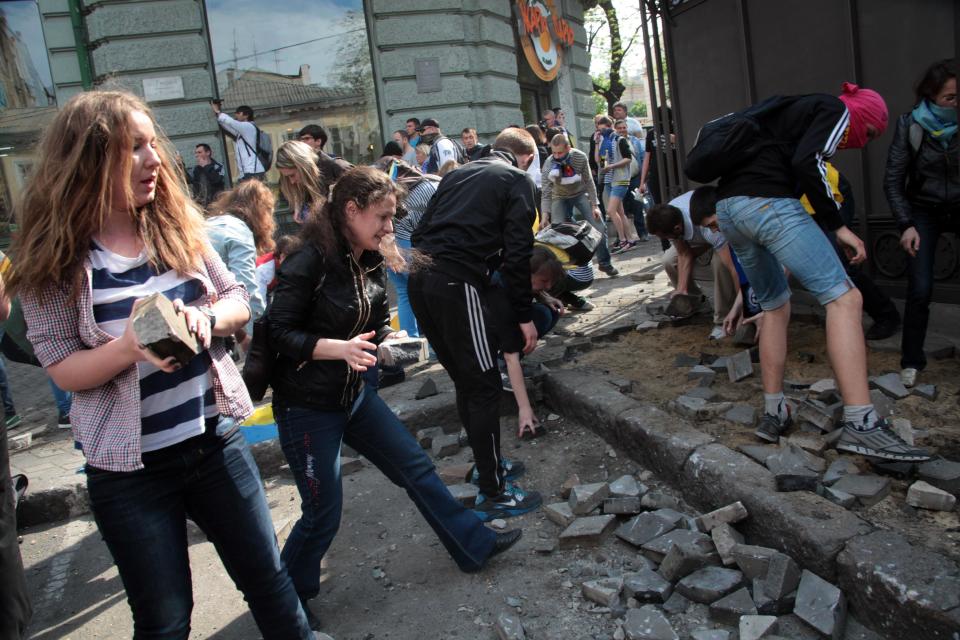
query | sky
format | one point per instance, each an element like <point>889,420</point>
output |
<point>263,27</point>
<point>23,16</point>
<point>628,12</point>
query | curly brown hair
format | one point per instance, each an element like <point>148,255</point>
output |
<point>251,201</point>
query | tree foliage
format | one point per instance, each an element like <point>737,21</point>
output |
<point>603,25</point>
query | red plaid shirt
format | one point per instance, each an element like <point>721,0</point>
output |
<point>106,419</point>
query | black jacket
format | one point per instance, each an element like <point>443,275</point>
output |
<point>313,300</point>
<point>207,182</point>
<point>481,220</point>
<point>803,132</point>
<point>925,179</point>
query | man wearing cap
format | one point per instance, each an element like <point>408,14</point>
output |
<point>442,148</point>
<point>759,213</point>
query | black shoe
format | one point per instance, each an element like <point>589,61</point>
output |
<point>770,428</point>
<point>883,328</point>
<point>610,270</point>
<point>313,621</point>
<point>504,541</point>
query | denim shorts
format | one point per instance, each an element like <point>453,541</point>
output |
<point>615,191</point>
<point>768,234</point>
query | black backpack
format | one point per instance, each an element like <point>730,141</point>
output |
<point>264,148</point>
<point>724,144</point>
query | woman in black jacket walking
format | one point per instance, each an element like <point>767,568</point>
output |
<point>328,312</point>
<point>922,185</point>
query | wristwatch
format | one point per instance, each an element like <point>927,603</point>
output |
<point>211,316</point>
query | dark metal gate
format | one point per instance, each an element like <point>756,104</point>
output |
<point>722,55</point>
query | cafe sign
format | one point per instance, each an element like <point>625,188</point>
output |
<point>543,35</point>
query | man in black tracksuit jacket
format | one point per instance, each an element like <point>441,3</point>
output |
<point>760,214</point>
<point>480,220</point>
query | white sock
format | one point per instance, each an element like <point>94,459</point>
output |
<point>775,405</point>
<point>862,417</point>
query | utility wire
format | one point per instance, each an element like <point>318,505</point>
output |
<point>290,46</point>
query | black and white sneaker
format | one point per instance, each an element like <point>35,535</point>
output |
<point>771,428</point>
<point>513,501</point>
<point>879,442</point>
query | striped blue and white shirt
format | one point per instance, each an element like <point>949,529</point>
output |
<point>174,406</point>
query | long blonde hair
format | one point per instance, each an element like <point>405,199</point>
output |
<point>311,189</point>
<point>68,197</point>
<point>251,201</point>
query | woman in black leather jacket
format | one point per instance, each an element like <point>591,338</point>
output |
<point>328,312</point>
<point>922,185</point>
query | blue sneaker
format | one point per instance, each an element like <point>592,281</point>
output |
<point>512,469</point>
<point>513,501</point>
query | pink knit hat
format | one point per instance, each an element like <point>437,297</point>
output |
<point>866,107</point>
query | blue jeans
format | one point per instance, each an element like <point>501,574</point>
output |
<point>544,318</point>
<point>768,234</point>
<point>562,211</point>
<point>916,309</point>
<point>142,518</point>
<point>408,321</point>
<point>63,398</point>
<point>8,408</point>
<point>311,440</point>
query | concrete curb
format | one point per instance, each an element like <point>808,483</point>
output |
<point>901,590</point>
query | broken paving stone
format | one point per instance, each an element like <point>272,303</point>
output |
<point>648,623</point>
<point>812,442</point>
<point>867,489</point>
<point>791,471</point>
<point>644,528</point>
<point>700,372</point>
<point>710,584</point>
<point>622,506</point>
<point>683,305</point>
<point>754,627</point>
<point>882,404</point>
<point>836,496</point>
<point>817,414</point>
<point>890,385</point>
<point>839,468</point>
<point>703,393</point>
<point>643,277</point>
<point>676,603</point>
<point>725,538</point>
<point>903,428</point>
<point>545,546</point>
<point>465,494</point>
<point>445,445</point>
<point>754,561</point>
<point>605,591</point>
<point>720,364</point>
<point>455,473</point>
<point>742,414</point>
<point>768,606</point>
<point>739,366</point>
<point>745,335</point>
<point>658,548</point>
<point>350,465</point>
<point>685,558</point>
<point>822,389</point>
<point>584,498</point>
<point>821,605</point>
<point>401,352</point>
<point>783,576</point>
<point>569,484</point>
<point>710,634</point>
<point>626,486</point>
<point>685,360</point>
<point>586,531</point>
<point>647,325</point>
<point>427,389</point>
<point>508,627</point>
<point>425,436</point>
<point>901,470</point>
<point>758,452</point>
<point>560,514</point>
<point>498,523</point>
<point>657,500</point>
<point>925,391</point>
<point>729,514</point>
<point>926,496</point>
<point>941,473</point>
<point>647,585</point>
<point>728,609</point>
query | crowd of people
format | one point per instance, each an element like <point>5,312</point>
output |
<point>486,246</point>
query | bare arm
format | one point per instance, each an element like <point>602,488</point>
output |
<point>685,259</point>
<point>525,418</point>
<point>643,172</point>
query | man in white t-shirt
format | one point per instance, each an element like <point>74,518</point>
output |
<point>688,242</point>
<point>244,133</point>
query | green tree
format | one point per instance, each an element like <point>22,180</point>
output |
<point>600,14</point>
<point>638,110</point>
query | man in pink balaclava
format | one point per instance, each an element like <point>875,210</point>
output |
<point>759,213</point>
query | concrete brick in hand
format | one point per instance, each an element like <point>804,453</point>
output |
<point>445,445</point>
<point>753,561</point>
<point>644,528</point>
<point>890,385</point>
<point>685,558</point>
<point>161,329</point>
<point>622,506</point>
<point>560,514</point>
<point>754,627</point>
<point>584,498</point>
<point>508,627</point>
<point>941,473</point>
<point>926,496</point>
<point>725,538</point>
<point>626,486</point>
<point>739,366</point>
<point>821,605</point>
<point>465,494</point>
<point>867,489</point>
<point>647,585</point>
<point>658,548</point>
<point>729,608</point>
<point>568,485</point>
<point>710,584</point>
<point>648,623</point>
<point>586,531</point>
<point>729,514</point>
<point>401,352</point>
<point>605,591</point>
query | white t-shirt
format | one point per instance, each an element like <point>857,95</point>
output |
<point>692,234</point>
